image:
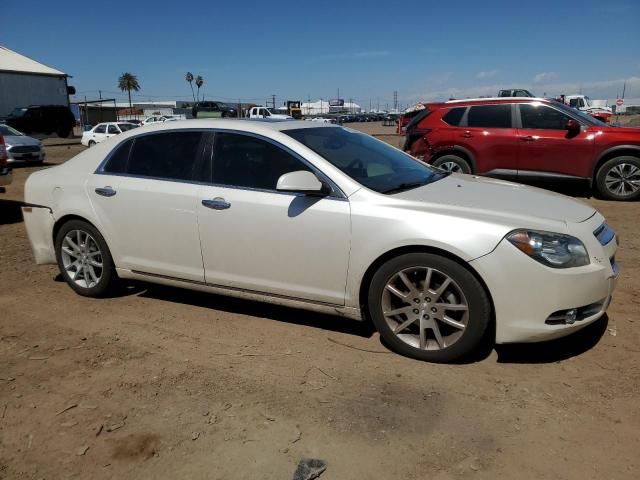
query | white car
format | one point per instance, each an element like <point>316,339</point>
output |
<point>268,113</point>
<point>21,147</point>
<point>329,219</point>
<point>102,131</point>
<point>158,119</point>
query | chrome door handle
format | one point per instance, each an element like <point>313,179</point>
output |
<point>106,191</point>
<point>528,138</point>
<point>217,203</point>
<point>466,134</point>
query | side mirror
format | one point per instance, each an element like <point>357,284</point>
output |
<point>573,127</point>
<point>301,182</point>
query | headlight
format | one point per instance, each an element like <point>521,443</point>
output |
<point>551,249</point>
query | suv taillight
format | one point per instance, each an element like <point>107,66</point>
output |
<point>3,152</point>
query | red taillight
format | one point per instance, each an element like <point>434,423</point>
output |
<point>3,152</point>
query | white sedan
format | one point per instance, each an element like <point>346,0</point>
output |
<point>102,131</point>
<point>325,218</point>
<point>158,119</point>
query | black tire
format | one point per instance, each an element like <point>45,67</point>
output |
<point>63,132</point>
<point>613,168</point>
<point>477,301</point>
<point>91,143</point>
<point>108,277</point>
<point>452,163</point>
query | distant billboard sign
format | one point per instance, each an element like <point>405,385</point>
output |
<point>336,102</point>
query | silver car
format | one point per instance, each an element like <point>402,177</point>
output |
<point>20,147</point>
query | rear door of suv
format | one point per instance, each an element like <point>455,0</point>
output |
<point>546,147</point>
<point>487,132</point>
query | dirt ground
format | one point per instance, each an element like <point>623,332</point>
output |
<point>164,383</point>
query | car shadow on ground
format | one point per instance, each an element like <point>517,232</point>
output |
<point>572,189</point>
<point>10,212</point>
<point>278,313</point>
<point>554,350</point>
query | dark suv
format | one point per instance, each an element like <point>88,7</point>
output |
<point>43,119</point>
<point>527,138</point>
<point>213,110</point>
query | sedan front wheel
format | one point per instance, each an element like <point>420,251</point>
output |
<point>428,307</point>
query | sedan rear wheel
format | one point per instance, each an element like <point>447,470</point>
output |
<point>428,307</point>
<point>84,259</point>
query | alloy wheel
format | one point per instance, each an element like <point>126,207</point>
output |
<point>425,308</point>
<point>82,258</point>
<point>450,167</point>
<point>623,179</point>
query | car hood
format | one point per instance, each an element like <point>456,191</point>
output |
<point>499,198</point>
<point>14,140</point>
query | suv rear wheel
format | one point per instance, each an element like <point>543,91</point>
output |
<point>619,178</point>
<point>452,163</point>
<point>428,307</point>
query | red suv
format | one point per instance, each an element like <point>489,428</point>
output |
<point>527,138</point>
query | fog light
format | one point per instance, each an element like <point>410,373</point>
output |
<point>571,316</point>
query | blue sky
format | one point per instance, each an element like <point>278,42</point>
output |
<point>296,49</point>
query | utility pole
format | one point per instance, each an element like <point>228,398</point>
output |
<point>395,100</point>
<point>338,97</point>
<point>273,101</point>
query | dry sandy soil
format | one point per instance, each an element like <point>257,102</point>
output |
<point>164,383</point>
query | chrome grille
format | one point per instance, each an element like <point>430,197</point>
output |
<point>25,149</point>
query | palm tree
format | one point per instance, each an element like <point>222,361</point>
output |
<point>189,79</point>
<point>127,82</point>
<point>199,82</point>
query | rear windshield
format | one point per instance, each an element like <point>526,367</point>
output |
<point>126,126</point>
<point>421,115</point>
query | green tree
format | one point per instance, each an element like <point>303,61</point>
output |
<point>199,82</point>
<point>127,82</point>
<point>189,79</point>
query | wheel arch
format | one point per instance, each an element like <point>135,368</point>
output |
<point>67,218</point>
<point>378,262</point>
<point>618,151</point>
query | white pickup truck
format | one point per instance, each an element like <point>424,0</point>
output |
<point>264,112</point>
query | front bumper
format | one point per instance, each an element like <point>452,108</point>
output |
<point>6,176</point>
<point>528,296</point>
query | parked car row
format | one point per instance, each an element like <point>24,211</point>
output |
<point>527,138</point>
<point>436,260</point>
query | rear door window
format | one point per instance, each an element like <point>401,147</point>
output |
<point>117,163</point>
<point>490,116</point>
<point>113,130</point>
<point>100,129</point>
<point>166,155</point>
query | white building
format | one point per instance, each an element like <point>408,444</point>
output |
<point>322,107</point>
<point>25,82</point>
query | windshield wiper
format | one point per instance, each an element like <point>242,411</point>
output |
<point>405,186</point>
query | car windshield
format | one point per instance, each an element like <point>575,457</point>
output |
<point>370,162</point>
<point>18,112</point>
<point>7,131</point>
<point>126,126</point>
<point>584,117</point>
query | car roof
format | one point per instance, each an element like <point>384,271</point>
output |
<point>480,101</point>
<point>243,124</point>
